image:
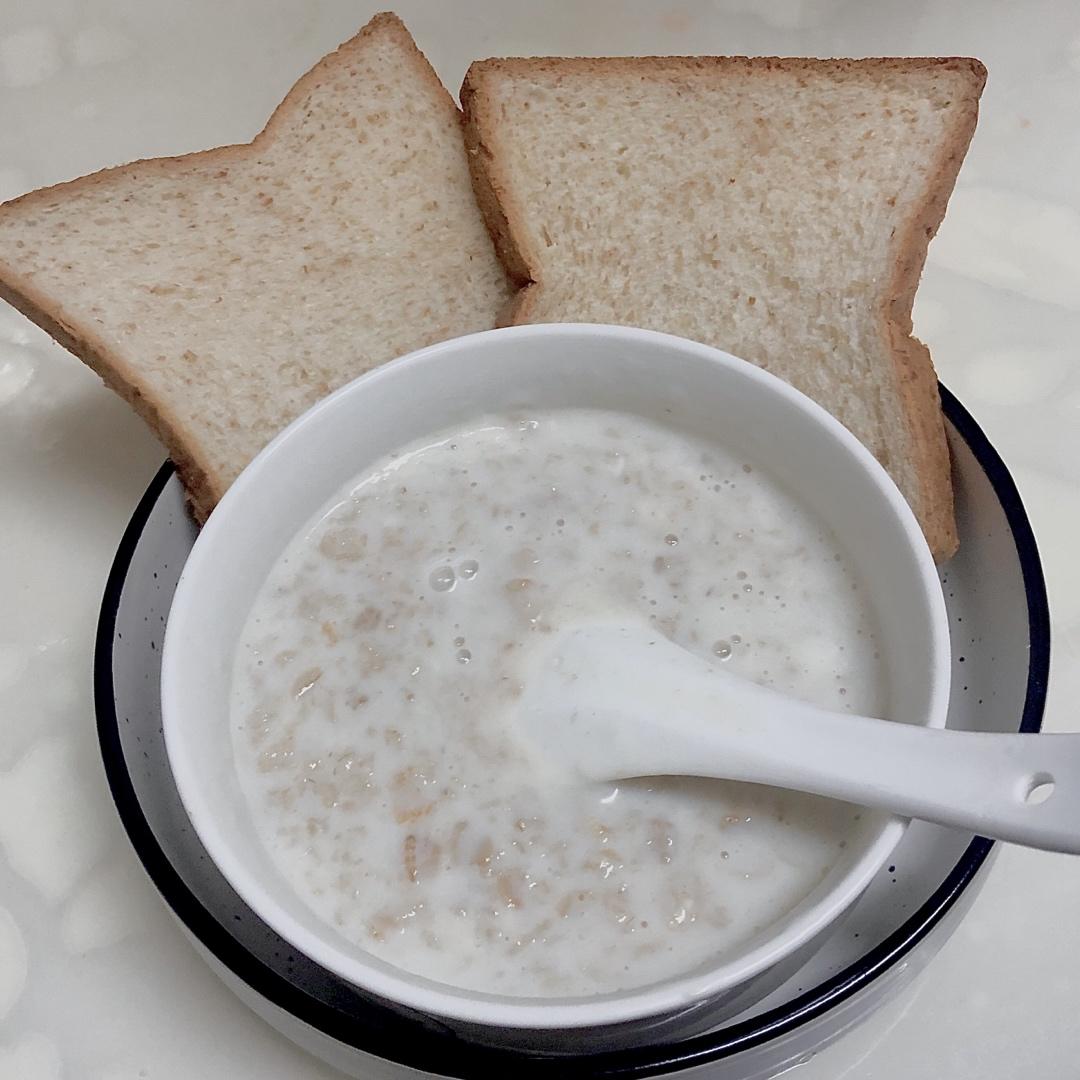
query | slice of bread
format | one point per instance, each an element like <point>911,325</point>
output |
<point>777,208</point>
<point>224,292</point>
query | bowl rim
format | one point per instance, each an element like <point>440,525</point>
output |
<point>446,1002</point>
<point>384,1032</point>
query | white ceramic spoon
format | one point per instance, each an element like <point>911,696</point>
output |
<point>613,701</point>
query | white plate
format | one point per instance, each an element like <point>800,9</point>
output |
<point>998,614</point>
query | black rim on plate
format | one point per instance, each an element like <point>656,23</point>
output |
<point>384,1032</point>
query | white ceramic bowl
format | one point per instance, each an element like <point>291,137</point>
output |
<point>687,385</point>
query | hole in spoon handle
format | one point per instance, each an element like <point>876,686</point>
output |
<point>1038,788</point>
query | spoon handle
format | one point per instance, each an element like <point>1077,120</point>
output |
<point>1021,788</point>
<point>628,702</point>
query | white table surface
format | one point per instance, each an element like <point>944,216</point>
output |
<point>95,981</point>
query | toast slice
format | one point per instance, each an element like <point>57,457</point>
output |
<point>777,208</point>
<point>224,292</point>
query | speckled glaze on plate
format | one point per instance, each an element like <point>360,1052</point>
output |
<point>1000,629</point>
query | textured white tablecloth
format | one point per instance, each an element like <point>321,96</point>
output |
<point>95,980</point>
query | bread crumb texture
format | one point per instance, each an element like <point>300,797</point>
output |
<point>225,292</point>
<point>779,209</point>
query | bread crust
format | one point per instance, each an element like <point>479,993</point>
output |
<point>913,368</point>
<point>495,196</point>
<point>203,484</point>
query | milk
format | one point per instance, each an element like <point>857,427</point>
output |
<point>375,689</point>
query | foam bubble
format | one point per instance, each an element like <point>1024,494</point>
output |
<point>443,579</point>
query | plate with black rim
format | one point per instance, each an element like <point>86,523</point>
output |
<point>1000,638</point>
